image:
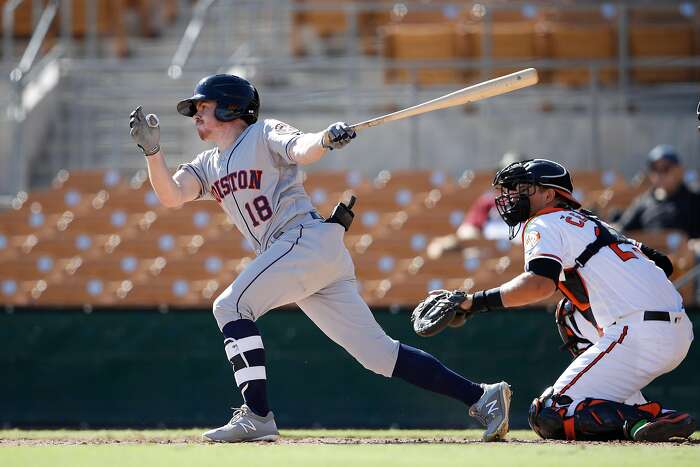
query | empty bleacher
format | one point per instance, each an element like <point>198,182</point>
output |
<point>139,254</point>
<point>456,33</point>
<point>111,18</point>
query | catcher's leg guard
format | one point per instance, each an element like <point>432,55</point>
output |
<point>592,419</point>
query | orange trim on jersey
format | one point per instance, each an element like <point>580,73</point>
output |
<point>595,360</point>
<point>569,431</point>
<point>538,213</point>
<point>567,195</point>
<point>568,294</point>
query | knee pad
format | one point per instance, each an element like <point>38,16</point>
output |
<point>545,418</point>
<point>550,416</point>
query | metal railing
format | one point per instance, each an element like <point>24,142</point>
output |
<point>189,38</point>
<point>37,39</point>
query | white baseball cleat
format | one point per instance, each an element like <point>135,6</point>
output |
<point>245,426</point>
<point>492,410</point>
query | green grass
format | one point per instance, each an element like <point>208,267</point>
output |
<point>150,448</point>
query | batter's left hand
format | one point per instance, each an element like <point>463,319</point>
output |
<point>337,135</point>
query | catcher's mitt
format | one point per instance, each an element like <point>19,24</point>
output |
<point>438,311</point>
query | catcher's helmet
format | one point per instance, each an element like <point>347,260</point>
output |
<point>517,182</point>
<point>235,97</point>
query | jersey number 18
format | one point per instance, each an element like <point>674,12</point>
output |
<point>262,208</point>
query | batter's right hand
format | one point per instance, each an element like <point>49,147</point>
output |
<point>145,131</point>
<point>337,135</point>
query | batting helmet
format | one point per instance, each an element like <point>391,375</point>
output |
<point>522,177</point>
<point>235,97</point>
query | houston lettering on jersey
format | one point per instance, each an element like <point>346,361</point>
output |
<point>237,180</point>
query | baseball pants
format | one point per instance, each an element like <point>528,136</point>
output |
<point>310,266</point>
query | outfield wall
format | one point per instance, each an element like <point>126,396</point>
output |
<point>144,368</point>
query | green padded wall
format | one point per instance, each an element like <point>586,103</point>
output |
<point>146,368</point>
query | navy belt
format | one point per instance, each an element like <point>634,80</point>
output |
<point>657,316</point>
<point>296,221</point>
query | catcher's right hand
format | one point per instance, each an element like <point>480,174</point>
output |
<point>438,311</point>
<point>145,131</point>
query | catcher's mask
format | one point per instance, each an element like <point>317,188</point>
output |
<point>518,182</point>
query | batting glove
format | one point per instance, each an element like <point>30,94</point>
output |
<point>145,131</point>
<point>337,135</point>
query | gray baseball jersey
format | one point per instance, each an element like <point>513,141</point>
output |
<point>301,259</point>
<point>254,181</point>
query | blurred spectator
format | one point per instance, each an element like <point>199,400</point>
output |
<point>481,221</point>
<point>669,203</point>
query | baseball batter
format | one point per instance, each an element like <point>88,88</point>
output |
<point>253,174</point>
<point>637,331</point>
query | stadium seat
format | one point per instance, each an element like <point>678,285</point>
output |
<point>567,41</point>
<point>421,42</point>
<point>23,23</point>
<point>664,42</point>
<point>509,41</point>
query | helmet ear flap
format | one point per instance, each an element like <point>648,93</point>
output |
<point>223,114</point>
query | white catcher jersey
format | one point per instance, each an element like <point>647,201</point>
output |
<point>620,279</point>
<point>254,181</point>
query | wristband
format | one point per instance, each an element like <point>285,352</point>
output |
<point>153,151</point>
<point>487,300</point>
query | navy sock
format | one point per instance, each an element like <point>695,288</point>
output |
<point>244,349</point>
<point>425,371</point>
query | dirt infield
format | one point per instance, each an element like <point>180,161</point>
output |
<point>324,440</point>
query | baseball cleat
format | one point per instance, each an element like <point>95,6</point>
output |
<point>492,410</point>
<point>245,426</point>
<point>664,427</point>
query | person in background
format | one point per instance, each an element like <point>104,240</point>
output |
<point>669,203</point>
<point>481,221</point>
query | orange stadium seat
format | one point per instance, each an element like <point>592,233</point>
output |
<point>172,292</point>
<point>87,181</point>
<point>509,41</point>
<point>78,292</point>
<point>422,42</point>
<point>23,23</point>
<point>377,265</point>
<point>399,244</point>
<point>590,15</point>
<point>581,42</point>
<point>115,267</point>
<point>154,244</point>
<point>662,41</point>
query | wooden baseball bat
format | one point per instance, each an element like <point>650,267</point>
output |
<point>493,87</point>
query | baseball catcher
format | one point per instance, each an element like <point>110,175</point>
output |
<point>622,319</point>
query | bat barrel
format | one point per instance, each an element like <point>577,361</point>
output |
<point>477,92</point>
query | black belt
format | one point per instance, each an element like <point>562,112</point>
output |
<point>657,316</point>
<point>316,215</point>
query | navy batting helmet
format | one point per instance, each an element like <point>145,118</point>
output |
<point>517,182</point>
<point>235,98</point>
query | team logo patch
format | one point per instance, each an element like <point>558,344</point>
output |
<point>532,238</point>
<point>284,129</point>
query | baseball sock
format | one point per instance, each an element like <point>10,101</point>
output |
<point>425,371</point>
<point>244,349</point>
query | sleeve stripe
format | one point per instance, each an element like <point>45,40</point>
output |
<point>286,148</point>
<point>192,169</point>
<point>546,255</point>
